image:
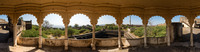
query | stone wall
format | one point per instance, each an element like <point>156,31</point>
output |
<point>53,42</point>
<point>30,41</point>
<point>133,42</point>
<point>156,40</point>
<point>80,42</point>
<point>101,42</point>
<point>106,42</point>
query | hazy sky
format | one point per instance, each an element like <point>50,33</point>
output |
<point>82,19</point>
<point>79,19</point>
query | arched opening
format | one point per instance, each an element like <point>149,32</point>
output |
<point>80,27</point>
<point>53,27</point>
<point>27,24</point>
<point>6,31</point>
<point>180,30</point>
<point>196,29</point>
<point>156,27</point>
<point>133,27</point>
<point>3,22</point>
<point>107,26</point>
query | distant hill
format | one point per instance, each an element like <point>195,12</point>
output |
<point>164,24</point>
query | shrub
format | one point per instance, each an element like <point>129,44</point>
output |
<point>30,33</point>
<point>57,32</point>
<point>138,31</point>
<point>44,36</point>
<point>152,31</point>
<point>72,31</point>
<point>156,31</point>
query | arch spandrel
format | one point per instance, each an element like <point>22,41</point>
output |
<point>167,18</point>
<point>93,19</point>
<point>66,19</point>
<point>14,18</point>
<point>40,17</point>
<point>145,19</point>
<point>191,19</point>
<point>119,21</point>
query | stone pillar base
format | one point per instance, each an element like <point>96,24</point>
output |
<point>120,48</point>
<point>93,46</point>
<point>40,46</point>
<point>66,44</point>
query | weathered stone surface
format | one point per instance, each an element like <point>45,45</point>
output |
<point>102,42</point>
<point>27,41</point>
<point>107,42</point>
<point>133,42</point>
<point>53,42</point>
<point>80,42</point>
<point>156,40</point>
<point>161,40</point>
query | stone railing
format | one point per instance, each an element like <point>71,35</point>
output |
<point>133,42</point>
<point>156,40</point>
<point>106,42</point>
<point>101,42</point>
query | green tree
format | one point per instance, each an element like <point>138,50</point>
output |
<point>76,26</point>
<point>46,25</point>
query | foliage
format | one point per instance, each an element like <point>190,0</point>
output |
<point>156,31</point>
<point>35,27</point>
<point>76,26</point>
<point>46,25</point>
<point>98,28</point>
<point>111,27</point>
<point>138,31</point>
<point>84,31</point>
<point>152,31</point>
<point>54,32</point>
<point>72,31</point>
<point>30,33</point>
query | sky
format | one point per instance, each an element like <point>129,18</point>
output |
<point>81,19</point>
<point>136,20</point>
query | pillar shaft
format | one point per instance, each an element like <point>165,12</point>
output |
<point>40,36</point>
<point>66,37</point>
<point>93,38</point>
<point>15,33</point>
<point>119,37</point>
<point>191,36</point>
<point>145,35</point>
<point>168,34</point>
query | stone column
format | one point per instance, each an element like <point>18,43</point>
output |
<point>145,21</point>
<point>40,35</point>
<point>191,22</point>
<point>119,37</point>
<point>191,36</point>
<point>145,35</point>
<point>93,37</point>
<point>15,33</point>
<point>66,23</point>
<point>40,18</point>
<point>66,37</point>
<point>168,32</point>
